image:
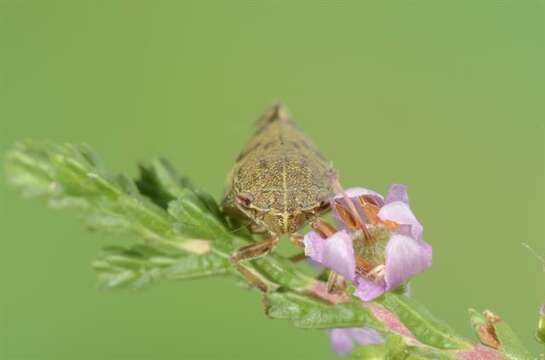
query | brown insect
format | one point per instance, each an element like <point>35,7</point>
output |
<point>277,185</point>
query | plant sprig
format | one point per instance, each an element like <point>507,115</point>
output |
<point>181,233</point>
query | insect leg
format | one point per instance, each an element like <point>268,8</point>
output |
<point>250,252</point>
<point>323,228</point>
<point>298,257</point>
<point>336,284</point>
<point>297,240</point>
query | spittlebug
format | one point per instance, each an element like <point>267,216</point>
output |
<point>278,184</point>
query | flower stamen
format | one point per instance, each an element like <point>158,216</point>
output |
<point>346,217</point>
<point>363,267</point>
<point>354,212</point>
<point>377,273</point>
<point>370,210</point>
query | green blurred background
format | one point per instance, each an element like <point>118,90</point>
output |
<point>446,97</point>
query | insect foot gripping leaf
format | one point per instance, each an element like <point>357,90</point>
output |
<point>380,245</point>
<point>494,332</point>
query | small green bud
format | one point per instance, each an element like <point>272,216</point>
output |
<point>540,333</point>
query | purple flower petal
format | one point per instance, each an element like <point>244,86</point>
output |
<point>342,340</point>
<point>405,257</point>
<point>368,290</point>
<point>397,192</point>
<point>341,343</point>
<point>406,254</point>
<point>356,192</point>
<point>335,252</point>
<point>366,336</point>
<point>401,213</point>
<point>314,246</point>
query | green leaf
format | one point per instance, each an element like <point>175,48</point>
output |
<point>306,312</point>
<point>194,220</point>
<point>428,353</point>
<point>421,323</point>
<point>29,170</point>
<point>370,352</point>
<point>141,266</point>
<point>161,183</point>
<point>396,347</point>
<point>72,176</point>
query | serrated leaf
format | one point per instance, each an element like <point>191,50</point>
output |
<point>306,312</point>
<point>28,169</point>
<point>159,181</point>
<point>194,220</point>
<point>70,176</point>
<point>282,272</point>
<point>162,184</point>
<point>421,323</point>
<point>141,266</point>
<point>211,205</point>
<point>196,213</point>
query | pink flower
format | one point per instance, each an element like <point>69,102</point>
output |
<point>380,246</point>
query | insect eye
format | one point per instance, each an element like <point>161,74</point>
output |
<point>243,200</point>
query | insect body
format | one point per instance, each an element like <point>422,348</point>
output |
<point>277,185</point>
